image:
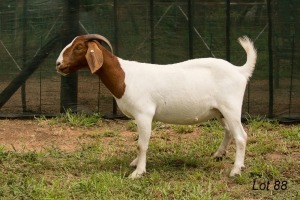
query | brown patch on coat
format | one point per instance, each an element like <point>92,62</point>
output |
<point>110,73</point>
<point>74,56</point>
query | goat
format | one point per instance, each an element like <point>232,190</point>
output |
<point>188,92</point>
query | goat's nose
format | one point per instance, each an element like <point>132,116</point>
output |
<point>57,64</point>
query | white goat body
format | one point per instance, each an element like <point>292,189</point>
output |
<point>183,93</point>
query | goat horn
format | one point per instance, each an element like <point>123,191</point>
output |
<point>101,38</point>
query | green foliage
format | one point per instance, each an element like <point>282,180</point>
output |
<point>110,134</point>
<point>80,119</point>
<point>183,129</point>
<point>131,126</point>
<point>292,134</point>
<point>73,119</point>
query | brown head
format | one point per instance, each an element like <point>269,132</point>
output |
<point>86,51</point>
<point>83,51</point>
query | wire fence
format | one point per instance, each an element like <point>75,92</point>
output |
<point>32,34</point>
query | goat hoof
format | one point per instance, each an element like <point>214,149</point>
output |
<point>218,159</point>
<point>219,156</point>
<point>236,171</point>
<point>136,174</point>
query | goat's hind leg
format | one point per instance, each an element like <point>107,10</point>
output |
<point>221,152</point>
<point>240,136</point>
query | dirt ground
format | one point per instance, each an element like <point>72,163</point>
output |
<point>29,135</point>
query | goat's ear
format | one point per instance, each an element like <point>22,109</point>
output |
<point>94,57</point>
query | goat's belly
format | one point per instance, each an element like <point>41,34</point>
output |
<point>173,109</point>
<point>182,115</point>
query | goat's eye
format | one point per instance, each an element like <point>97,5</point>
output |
<point>79,47</point>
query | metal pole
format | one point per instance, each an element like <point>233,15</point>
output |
<point>26,72</point>
<point>190,21</point>
<point>270,50</point>
<point>292,72</point>
<point>151,13</point>
<point>116,19</point>
<point>24,55</point>
<point>116,47</point>
<point>40,74</point>
<point>228,30</point>
<point>69,84</point>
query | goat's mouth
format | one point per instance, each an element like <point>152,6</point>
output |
<point>64,71</point>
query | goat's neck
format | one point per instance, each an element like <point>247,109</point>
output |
<point>112,75</point>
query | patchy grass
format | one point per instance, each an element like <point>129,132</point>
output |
<point>180,164</point>
<point>182,129</point>
<point>73,119</point>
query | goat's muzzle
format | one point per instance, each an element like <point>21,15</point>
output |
<point>62,70</point>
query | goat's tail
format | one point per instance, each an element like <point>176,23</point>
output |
<point>248,68</point>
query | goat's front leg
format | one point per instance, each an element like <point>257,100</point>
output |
<point>144,130</point>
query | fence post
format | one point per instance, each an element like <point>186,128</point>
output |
<point>190,21</point>
<point>24,55</point>
<point>69,85</point>
<point>270,50</point>
<point>27,70</point>
<point>151,13</point>
<point>292,71</point>
<point>116,47</point>
<point>228,30</point>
